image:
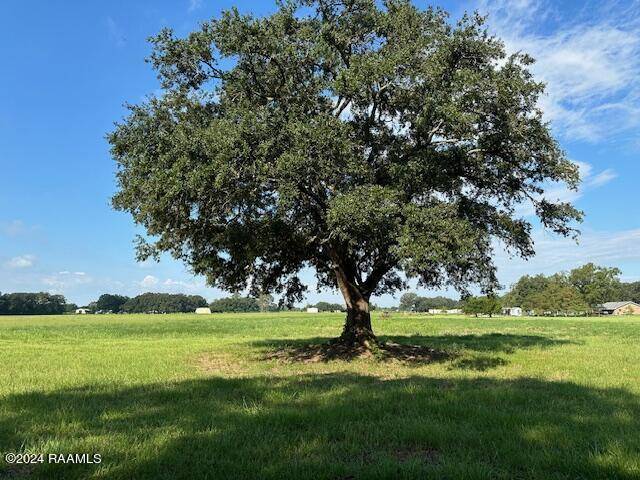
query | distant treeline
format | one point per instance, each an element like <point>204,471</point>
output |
<point>328,307</point>
<point>264,303</point>
<point>412,302</point>
<point>579,290</point>
<point>179,303</point>
<point>147,303</point>
<point>235,303</point>
<point>40,303</point>
<point>164,303</point>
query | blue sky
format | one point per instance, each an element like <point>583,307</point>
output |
<point>69,67</point>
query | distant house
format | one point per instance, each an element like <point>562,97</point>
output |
<point>619,308</point>
<point>312,310</point>
<point>82,311</point>
<point>435,311</point>
<point>512,311</point>
<point>203,311</point>
<point>454,311</point>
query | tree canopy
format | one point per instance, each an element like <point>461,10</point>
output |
<point>413,302</point>
<point>579,290</point>
<point>487,305</point>
<point>163,303</point>
<point>630,291</point>
<point>40,303</point>
<point>235,303</point>
<point>596,284</point>
<point>329,307</point>
<point>372,141</point>
<point>111,303</point>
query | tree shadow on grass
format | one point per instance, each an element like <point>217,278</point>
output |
<point>331,426</point>
<point>325,350</point>
<point>469,352</point>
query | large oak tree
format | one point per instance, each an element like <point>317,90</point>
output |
<point>373,143</point>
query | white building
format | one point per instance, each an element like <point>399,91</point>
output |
<point>203,311</point>
<point>312,310</point>
<point>512,311</point>
<point>82,311</point>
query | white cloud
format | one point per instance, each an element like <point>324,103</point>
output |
<point>181,285</point>
<point>65,279</point>
<point>555,253</point>
<point>116,34</point>
<point>21,261</point>
<point>194,5</point>
<point>149,281</point>
<point>603,178</point>
<point>591,65</point>
<point>13,228</point>
<point>558,192</point>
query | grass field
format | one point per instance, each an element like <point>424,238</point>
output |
<point>221,397</point>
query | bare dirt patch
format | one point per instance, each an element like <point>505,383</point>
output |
<point>219,363</point>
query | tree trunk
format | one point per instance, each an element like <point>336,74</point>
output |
<point>357,332</point>
<point>357,328</point>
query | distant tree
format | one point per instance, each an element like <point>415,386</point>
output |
<point>558,297</point>
<point>416,303</point>
<point>630,292</point>
<point>110,302</point>
<point>473,306</point>
<point>492,305</point>
<point>524,289</point>
<point>596,284</point>
<point>372,141</point>
<point>235,303</point>
<point>408,301</point>
<point>41,303</point>
<point>487,305</point>
<point>329,307</point>
<point>576,291</point>
<point>265,302</point>
<point>163,303</point>
<point>424,304</point>
<point>70,307</point>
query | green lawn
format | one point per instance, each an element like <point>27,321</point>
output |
<point>186,396</point>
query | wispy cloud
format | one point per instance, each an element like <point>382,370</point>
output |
<point>65,279</point>
<point>591,64</point>
<point>556,253</point>
<point>194,5</point>
<point>16,228</point>
<point>13,228</point>
<point>116,34</point>
<point>558,192</point>
<point>21,261</point>
<point>181,285</point>
<point>603,178</point>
